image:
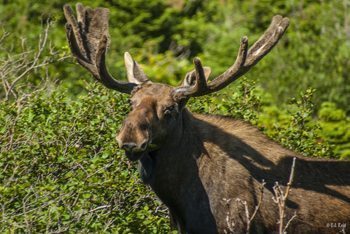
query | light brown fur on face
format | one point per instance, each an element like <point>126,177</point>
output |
<point>154,113</point>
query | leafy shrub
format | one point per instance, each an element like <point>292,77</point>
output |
<point>61,170</point>
<point>313,53</point>
<point>335,128</point>
<point>295,127</point>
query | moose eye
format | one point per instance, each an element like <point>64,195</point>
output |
<point>144,126</point>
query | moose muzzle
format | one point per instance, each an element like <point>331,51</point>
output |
<point>133,139</point>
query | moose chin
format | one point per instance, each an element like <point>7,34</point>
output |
<point>201,166</point>
<point>134,156</point>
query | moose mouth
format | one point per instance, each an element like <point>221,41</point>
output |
<point>134,156</point>
<point>146,164</point>
<point>137,155</point>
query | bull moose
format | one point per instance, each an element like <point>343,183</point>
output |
<point>199,165</point>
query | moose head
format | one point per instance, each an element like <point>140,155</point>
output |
<point>156,108</point>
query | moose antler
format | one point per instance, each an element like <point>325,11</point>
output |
<point>88,40</point>
<point>245,60</point>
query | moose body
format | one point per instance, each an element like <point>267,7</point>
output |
<point>212,161</point>
<point>200,166</point>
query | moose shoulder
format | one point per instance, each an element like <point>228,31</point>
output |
<point>199,165</point>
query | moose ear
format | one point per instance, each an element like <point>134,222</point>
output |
<point>134,71</point>
<point>190,76</point>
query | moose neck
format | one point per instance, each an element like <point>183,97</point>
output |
<point>181,134</point>
<point>177,155</point>
<point>175,160</point>
<point>181,141</point>
<point>175,177</point>
<point>170,153</point>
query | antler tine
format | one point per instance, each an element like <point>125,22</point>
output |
<point>81,13</point>
<point>108,80</point>
<point>73,32</point>
<point>88,40</point>
<point>234,71</point>
<point>268,40</point>
<point>200,82</point>
<point>245,60</point>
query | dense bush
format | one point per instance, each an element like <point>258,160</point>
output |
<point>292,125</point>
<point>60,169</point>
<point>314,52</point>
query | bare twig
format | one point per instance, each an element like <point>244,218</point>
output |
<point>3,36</point>
<point>257,207</point>
<point>289,222</point>
<point>280,198</point>
<point>16,67</point>
<point>34,64</point>
<point>250,217</point>
<point>99,208</point>
<point>230,223</point>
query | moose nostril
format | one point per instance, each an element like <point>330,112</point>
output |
<point>144,145</point>
<point>128,146</point>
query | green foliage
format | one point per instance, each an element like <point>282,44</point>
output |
<point>336,128</point>
<point>295,128</point>
<point>314,51</point>
<point>242,103</point>
<point>61,170</point>
<point>292,125</point>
